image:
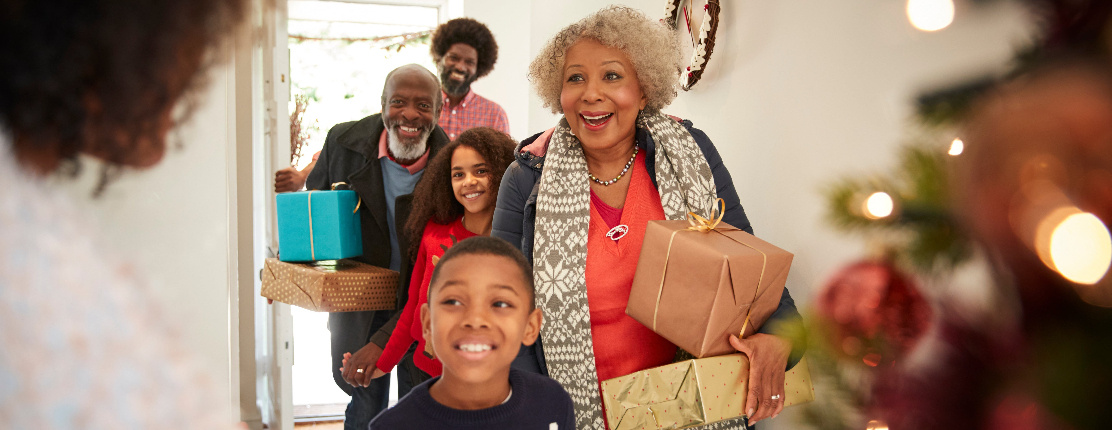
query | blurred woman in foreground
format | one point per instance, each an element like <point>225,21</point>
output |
<point>84,345</point>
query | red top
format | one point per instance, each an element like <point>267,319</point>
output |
<point>435,241</point>
<point>611,215</point>
<point>622,345</point>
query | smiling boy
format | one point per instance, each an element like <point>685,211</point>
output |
<point>479,313</point>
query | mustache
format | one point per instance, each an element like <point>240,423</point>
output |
<point>448,70</point>
<point>446,77</point>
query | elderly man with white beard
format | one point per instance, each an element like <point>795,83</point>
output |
<point>381,157</point>
<point>464,50</point>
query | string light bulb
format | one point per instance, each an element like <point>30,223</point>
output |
<point>1081,249</point>
<point>930,15</point>
<point>879,205</point>
<point>956,147</point>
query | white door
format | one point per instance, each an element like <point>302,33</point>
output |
<point>341,52</point>
<point>274,335</point>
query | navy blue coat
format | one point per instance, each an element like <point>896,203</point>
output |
<point>515,216</point>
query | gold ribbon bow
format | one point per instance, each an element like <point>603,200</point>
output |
<point>360,202</point>
<point>705,225</point>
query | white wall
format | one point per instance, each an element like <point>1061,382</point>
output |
<point>799,94</point>
<point>506,84</point>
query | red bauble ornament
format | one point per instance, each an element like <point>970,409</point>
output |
<point>874,312</point>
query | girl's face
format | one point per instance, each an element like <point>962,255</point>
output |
<point>471,181</point>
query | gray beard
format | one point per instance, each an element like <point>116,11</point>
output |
<point>401,151</point>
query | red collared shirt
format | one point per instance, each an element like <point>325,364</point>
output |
<point>473,111</point>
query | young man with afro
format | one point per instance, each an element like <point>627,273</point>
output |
<point>464,51</point>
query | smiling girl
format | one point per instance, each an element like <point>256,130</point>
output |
<point>453,202</point>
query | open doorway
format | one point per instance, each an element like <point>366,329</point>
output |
<point>340,53</point>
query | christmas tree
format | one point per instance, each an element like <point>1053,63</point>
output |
<point>1043,366</point>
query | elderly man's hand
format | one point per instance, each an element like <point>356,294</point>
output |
<point>289,179</point>
<point>768,357</point>
<point>358,369</point>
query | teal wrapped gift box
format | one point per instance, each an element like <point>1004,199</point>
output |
<point>318,225</point>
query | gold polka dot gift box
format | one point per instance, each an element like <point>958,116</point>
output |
<point>691,393</point>
<point>330,286</point>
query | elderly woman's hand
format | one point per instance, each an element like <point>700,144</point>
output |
<point>768,358</point>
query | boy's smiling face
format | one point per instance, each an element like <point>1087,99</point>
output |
<point>478,315</point>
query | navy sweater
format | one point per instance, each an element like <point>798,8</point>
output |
<point>536,402</point>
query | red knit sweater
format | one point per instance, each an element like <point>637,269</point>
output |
<point>621,344</point>
<point>436,239</point>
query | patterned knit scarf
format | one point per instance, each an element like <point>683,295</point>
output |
<point>560,245</point>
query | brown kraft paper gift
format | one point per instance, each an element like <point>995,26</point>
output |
<point>713,279</point>
<point>339,286</point>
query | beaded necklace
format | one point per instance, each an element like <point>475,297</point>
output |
<point>624,170</point>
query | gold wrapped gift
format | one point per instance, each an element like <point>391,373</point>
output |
<point>330,286</point>
<point>691,393</point>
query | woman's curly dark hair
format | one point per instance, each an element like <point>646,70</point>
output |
<point>468,31</point>
<point>433,198</point>
<point>102,75</point>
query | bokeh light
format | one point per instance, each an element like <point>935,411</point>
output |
<point>1081,248</point>
<point>956,147</point>
<point>879,205</point>
<point>1044,231</point>
<point>852,346</point>
<point>930,15</point>
<point>876,425</point>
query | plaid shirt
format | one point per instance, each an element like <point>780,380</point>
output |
<point>472,111</point>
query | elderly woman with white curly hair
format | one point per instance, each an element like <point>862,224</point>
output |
<point>613,161</point>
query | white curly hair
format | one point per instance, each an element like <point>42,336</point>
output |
<point>648,43</point>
